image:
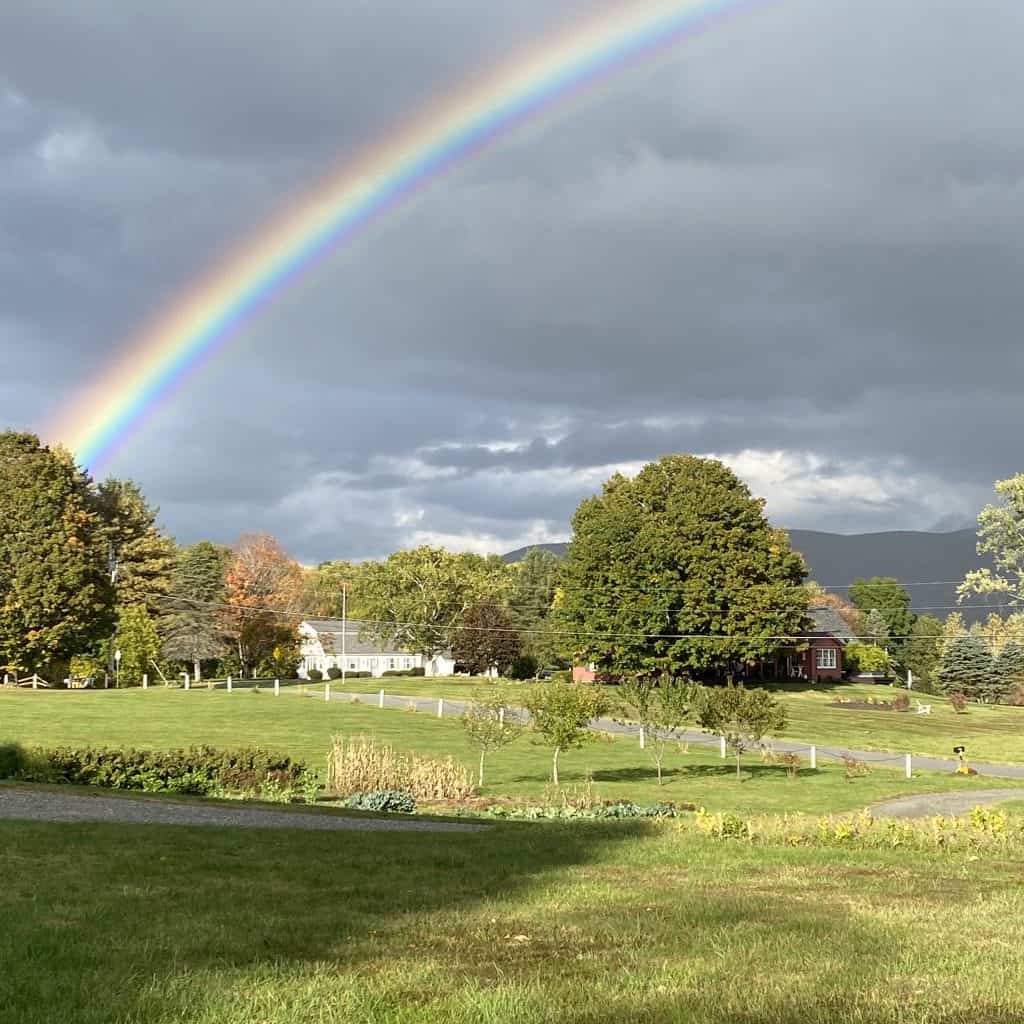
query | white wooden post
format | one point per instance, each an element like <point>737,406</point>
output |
<point>35,681</point>
<point>440,707</point>
<point>643,739</point>
<point>229,684</point>
<point>501,716</point>
<point>188,680</point>
<point>277,687</point>
<point>327,691</point>
<point>909,766</point>
<point>721,745</point>
<point>380,699</point>
<point>145,681</point>
<point>814,757</point>
<point>7,679</point>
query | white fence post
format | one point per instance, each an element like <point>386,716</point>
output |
<point>501,716</point>
<point>145,681</point>
<point>327,691</point>
<point>380,699</point>
<point>440,707</point>
<point>814,757</point>
<point>721,745</point>
<point>909,766</point>
<point>229,684</point>
<point>643,739</point>
<point>277,687</point>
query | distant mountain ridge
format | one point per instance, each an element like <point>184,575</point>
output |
<point>933,562</point>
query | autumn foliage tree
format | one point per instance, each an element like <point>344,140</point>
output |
<point>262,603</point>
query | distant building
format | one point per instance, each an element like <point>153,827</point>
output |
<point>828,635</point>
<point>331,643</point>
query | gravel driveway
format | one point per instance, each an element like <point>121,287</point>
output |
<point>949,805</point>
<point>39,805</point>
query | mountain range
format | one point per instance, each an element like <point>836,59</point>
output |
<point>929,564</point>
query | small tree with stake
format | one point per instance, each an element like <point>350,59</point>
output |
<point>561,712</point>
<point>487,726</point>
<point>742,716</point>
<point>659,708</point>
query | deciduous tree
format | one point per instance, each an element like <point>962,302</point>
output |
<point>139,643</point>
<point>659,706</point>
<point>678,569</point>
<point>560,715</point>
<point>55,594</point>
<point>485,639</point>
<point>924,649</point>
<point>488,725</point>
<point>744,717</point>
<point>262,601</point>
<point>1001,536</point>
<point>414,598</point>
<point>531,601</point>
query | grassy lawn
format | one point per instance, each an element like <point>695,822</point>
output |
<point>162,719</point>
<point>523,924</point>
<point>990,733</point>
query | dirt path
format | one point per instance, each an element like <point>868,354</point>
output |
<point>927,805</point>
<point>40,805</point>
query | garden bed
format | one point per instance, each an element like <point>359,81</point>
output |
<point>867,705</point>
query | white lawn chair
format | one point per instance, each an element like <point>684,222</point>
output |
<point>922,709</point>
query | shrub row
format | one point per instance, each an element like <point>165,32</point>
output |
<point>202,771</point>
<point>395,673</point>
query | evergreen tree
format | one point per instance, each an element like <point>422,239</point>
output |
<point>678,569</point>
<point>967,667</point>
<point>191,625</point>
<point>142,555</point>
<point>924,649</point>
<point>1009,669</point>
<point>55,595</point>
<point>890,601</point>
<point>531,601</point>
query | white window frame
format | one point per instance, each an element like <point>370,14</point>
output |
<point>826,657</point>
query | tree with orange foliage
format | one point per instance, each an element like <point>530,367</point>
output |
<point>819,597</point>
<point>262,605</point>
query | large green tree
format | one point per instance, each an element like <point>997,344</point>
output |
<point>191,626</point>
<point>414,598</point>
<point>1009,668</point>
<point>883,598</point>
<point>55,594</point>
<point>1001,537</point>
<point>138,642</point>
<point>678,569</point>
<point>142,556</point>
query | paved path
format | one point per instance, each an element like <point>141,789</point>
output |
<point>893,760</point>
<point>949,805</point>
<point>45,805</point>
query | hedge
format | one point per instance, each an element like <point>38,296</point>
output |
<point>198,770</point>
<point>397,672</point>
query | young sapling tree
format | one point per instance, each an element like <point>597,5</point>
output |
<point>487,725</point>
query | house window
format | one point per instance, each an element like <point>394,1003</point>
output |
<point>825,657</point>
<point>391,662</point>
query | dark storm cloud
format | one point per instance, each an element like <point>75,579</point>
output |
<point>795,245</point>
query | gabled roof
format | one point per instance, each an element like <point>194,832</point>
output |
<point>329,632</point>
<point>828,622</point>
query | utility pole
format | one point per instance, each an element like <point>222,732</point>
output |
<point>344,633</point>
<point>113,661</point>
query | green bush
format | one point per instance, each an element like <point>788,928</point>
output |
<point>314,675</point>
<point>383,800</point>
<point>600,812</point>
<point>395,672</point>
<point>334,672</point>
<point>865,658</point>
<point>523,667</point>
<point>198,770</point>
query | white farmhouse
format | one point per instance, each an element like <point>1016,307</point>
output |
<point>331,643</point>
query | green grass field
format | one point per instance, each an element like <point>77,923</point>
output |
<point>990,733</point>
<point>526,924</point>
<point>162,719</point>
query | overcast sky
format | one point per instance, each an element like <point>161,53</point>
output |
<point>795,244</point>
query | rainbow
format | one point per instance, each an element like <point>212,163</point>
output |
<point>179,342</point>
